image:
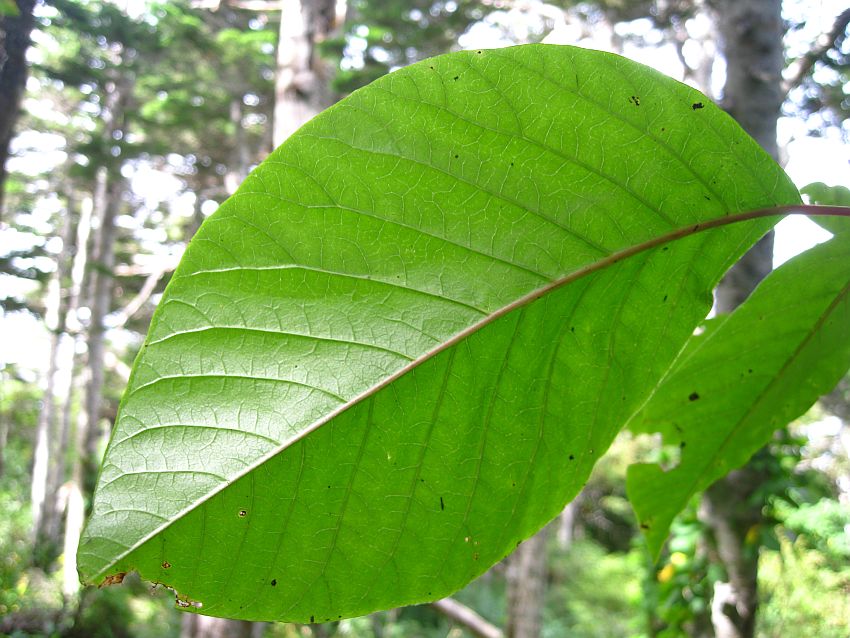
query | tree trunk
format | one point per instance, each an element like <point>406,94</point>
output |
<point>301,81</point>
<point>527,587</point>
<point>197,626</point>
<point>567,524</point>
<point>106,197</point>
<point>751,33</point>
<point>72,490</point>
<point>239,170</point>
<point>110,188</point>
<point>39,496</point>
<point>14,42</point>
<point>45,481</point>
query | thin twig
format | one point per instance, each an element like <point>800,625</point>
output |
<point>463,615</point>
<point>138,301</point>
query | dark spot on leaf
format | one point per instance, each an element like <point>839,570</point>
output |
<point>312,619</point>
<point>634,99</point>
<point>442,504</point>
<point>697,105</point>
<point>682,445</point>
<point>750,370</point>
<point>431,67</point>
<point>644,526</point>
<point>707,198</point>
<point>478,52</point>
<point>274,582</point>
<point>572,457</point>
<point>693,396</point>
<point>329,487</point>
<point>422,480</point>
<point>678,428</point>
<point>166,564</point>
<point>665,247</point>
<point>665,297</point>
<point>456,156</point>
<point>456,77</point>
<point>572,328</point>
<point>513,483</point>
<point>475,556</point>
<point>663,129</point>
<point>243,513</point>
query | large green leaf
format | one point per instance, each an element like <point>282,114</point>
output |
<point>399,349</point>
<point>755,371</point>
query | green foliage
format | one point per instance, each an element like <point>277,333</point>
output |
<point>9,8</point>
<point>400,348</point>
<point>820,193</point>
<point>395,33</point>
<point>677,590</point>
<point>132,611</point>
<point>594,593</point>
<point>751,374</point>
<point>15,522</point>
<point>802,595</point>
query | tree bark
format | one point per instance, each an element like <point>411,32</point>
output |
<point>45,480</point>
<point>104,260</point>
<point>106,198</point>
<point>197,626</point>
<point>567,524</point>
<point>72,490</point>
<point>527,587</point>
<point>301,81</point>
<point>14,42</point>
<point>751,33</point>
<point>239,170</point>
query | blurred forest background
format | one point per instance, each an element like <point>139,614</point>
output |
<point>125,123</point>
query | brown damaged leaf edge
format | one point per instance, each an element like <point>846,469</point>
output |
<point>114,579</point>
<point>184,602</point>
<point>680,233</point>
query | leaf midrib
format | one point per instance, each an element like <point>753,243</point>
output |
<point>526,299</point>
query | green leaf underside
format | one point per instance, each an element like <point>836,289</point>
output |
<point>261,463</point>
<point>760,368</point>
<point>820,193</point>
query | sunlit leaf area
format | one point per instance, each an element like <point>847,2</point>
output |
<point>467,318</point>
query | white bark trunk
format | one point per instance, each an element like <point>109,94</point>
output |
<point>301,85</point>
<point>45,481</point>
<point>527,587</point>
<point>100,303</point>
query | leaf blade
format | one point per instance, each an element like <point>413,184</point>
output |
<point>296,312</point>
<point>764,366</point>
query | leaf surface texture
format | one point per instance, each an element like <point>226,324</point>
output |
<point>350,399</point>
